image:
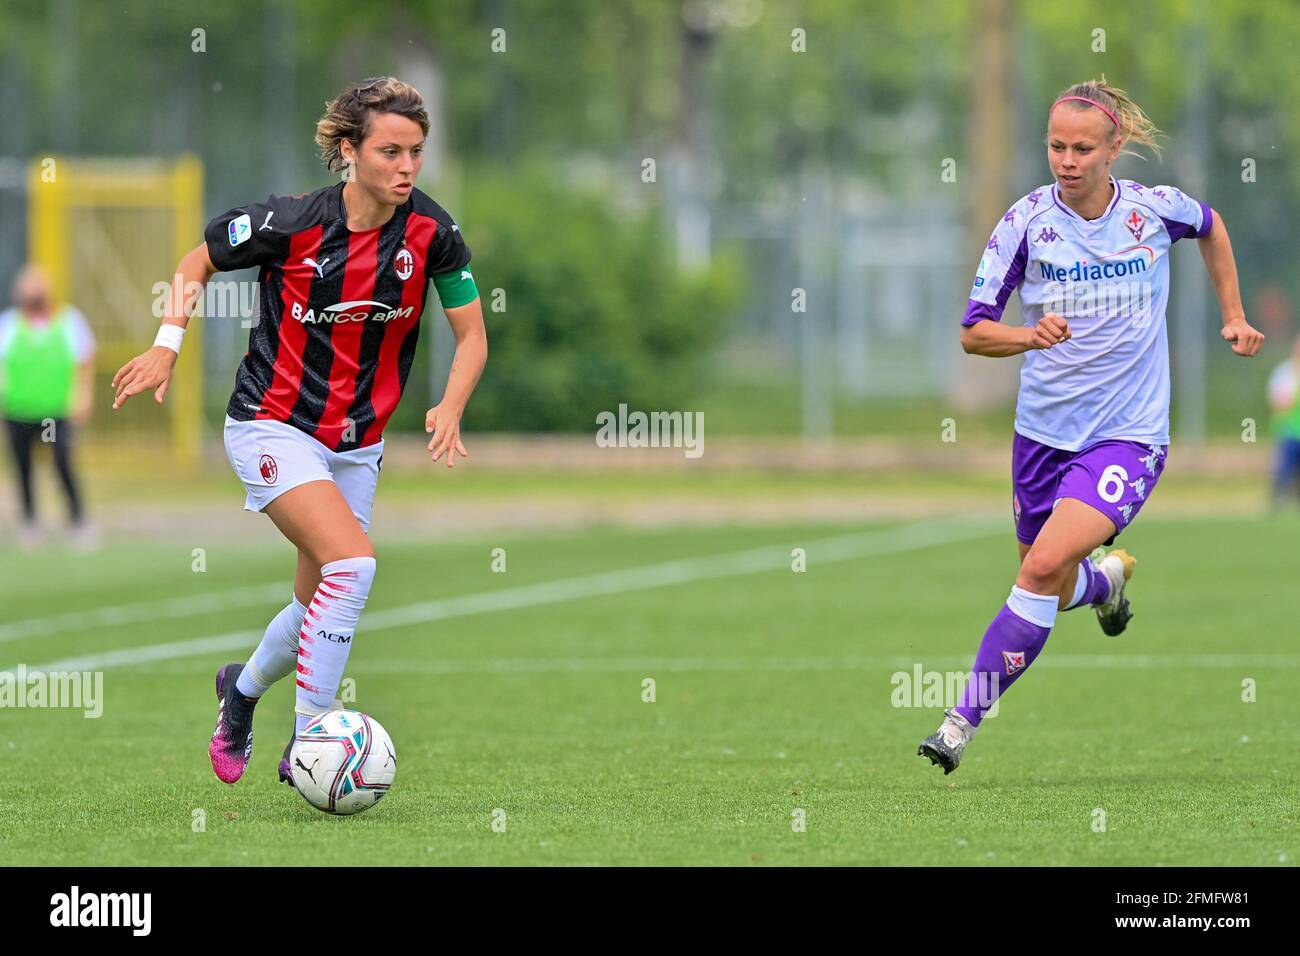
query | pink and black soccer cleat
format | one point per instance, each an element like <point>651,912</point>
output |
<point>232,741</point>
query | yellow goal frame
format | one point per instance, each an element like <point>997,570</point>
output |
<point>59,187</point>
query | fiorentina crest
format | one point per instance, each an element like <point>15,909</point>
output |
<point>1014,660</point>
<point>1135,224</point>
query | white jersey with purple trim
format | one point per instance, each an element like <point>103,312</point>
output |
<point>1109,277</point>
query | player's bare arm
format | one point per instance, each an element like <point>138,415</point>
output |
<point>995,340</point>
<point>443,420</point>
<point>1216,250</point>
<point>152,369</point>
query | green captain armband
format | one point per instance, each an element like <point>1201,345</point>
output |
<point>455,288</point>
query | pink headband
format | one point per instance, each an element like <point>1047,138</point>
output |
<point>1084,99</point>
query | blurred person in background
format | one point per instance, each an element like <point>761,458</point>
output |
<point>1284,399</point>
<point>46,375</point>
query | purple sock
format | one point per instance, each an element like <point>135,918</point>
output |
<point>1098,584</point>
<point>1091,586</point>
<point>1010,644</point>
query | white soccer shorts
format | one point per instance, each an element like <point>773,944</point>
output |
<point>272,457</point>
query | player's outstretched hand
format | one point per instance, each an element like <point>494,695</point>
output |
<point>1245,340</point>
<point>444,422</point>
<point>1050,330</point>
<point>151,369</point>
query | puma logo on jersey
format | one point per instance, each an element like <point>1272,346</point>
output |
<point>320,268</point>
<point>464,274</point>
<point>267,223</point>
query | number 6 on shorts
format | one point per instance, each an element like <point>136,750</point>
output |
<point>1111,485</point>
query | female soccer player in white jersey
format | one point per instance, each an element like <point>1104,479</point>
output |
<point>1090,257</point>
<point>344,275</point>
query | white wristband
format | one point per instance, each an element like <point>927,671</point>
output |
<point>170,336</point>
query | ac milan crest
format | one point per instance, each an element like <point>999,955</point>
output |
<point>270,471</point>
<point>404,264</point>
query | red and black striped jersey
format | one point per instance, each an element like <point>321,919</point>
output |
<point>340,311</point>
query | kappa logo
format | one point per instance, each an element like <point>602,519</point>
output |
<point>404,264</point>
<point>1150,461</point>
<point>269,469</point>
<point>1014,661</point>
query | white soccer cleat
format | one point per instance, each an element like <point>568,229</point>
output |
<point>946,745</point>
<point>1114,614</point>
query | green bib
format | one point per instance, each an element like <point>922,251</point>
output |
<point>1286,424</point>
<point>38,370</point>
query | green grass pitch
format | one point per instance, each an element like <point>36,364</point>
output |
<point>772,695</point>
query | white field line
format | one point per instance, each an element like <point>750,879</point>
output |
<point>649,666</point>
<point>138,611</point>
<point>652,666</point>
<point>685,571</point>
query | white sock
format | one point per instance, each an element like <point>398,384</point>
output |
<point>1080,587</point>
<point>327,632</point>
<point>275,656</point>
<point>1039,609</point>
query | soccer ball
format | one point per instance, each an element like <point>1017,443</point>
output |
<point>343,762</point>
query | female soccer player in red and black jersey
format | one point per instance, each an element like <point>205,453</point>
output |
<point>344,275</point>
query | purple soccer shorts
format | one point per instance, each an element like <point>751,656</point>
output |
<point>1115,477</point>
